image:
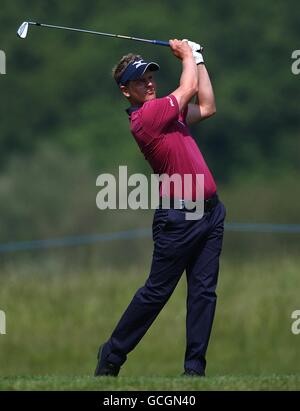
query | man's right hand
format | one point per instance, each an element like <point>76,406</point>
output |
<point>196,48</point>
<point>181,49</point>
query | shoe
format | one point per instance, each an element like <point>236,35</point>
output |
<point>105,368</point>
<point>192,373</point>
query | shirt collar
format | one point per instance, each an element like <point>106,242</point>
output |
<point>132,109</point>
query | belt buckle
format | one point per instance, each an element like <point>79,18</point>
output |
<point>181,204</point>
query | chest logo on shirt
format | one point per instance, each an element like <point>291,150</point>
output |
<point>171,102</point>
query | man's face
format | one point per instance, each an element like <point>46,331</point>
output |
<point>141,90</point>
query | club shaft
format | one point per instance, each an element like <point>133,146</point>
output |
<point>157,42</point>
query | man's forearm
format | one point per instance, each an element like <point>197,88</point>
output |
<point>189,75</point>
<point>188,81</point>
<point>205,95</point>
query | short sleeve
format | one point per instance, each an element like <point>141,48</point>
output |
<point>183,114</point>
<point>159,113</point>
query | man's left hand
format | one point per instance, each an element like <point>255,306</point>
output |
<point>196,49</point>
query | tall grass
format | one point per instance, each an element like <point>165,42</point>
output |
<point>56,321</point>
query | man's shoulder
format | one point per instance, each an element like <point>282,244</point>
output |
<point>159,106</point>
<point>154,116</point>
<point>169,100</point>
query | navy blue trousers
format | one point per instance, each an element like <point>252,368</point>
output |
<point>180,245</point>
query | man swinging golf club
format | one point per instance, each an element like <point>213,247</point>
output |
<point>160,127</point>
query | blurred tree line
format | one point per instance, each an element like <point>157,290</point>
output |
<point>58,92</point>
<point>58,86</point>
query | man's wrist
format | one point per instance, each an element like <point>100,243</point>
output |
<point>198,57</point>
<point>196,51</point>
<point>188,57</point>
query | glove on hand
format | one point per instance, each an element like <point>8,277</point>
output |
<point>198,57</point>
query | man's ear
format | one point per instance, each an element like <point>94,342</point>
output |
<point>125,91</point>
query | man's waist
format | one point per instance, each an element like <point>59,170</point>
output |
<point>188,205</point>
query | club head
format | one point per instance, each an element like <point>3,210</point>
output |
<point>23,30</point>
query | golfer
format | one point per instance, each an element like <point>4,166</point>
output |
<point>161,128</point>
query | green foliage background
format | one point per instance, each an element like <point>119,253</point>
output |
<point>62,119</point>
<point>62,123</point>
<point>58,87</point>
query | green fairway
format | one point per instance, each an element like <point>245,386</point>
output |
<point>222,383</point>
<point>56,321</point>
<point>80,180</point>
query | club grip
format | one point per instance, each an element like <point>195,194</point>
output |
<point>162,43</point>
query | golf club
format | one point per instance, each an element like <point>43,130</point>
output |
<point>23,31</point>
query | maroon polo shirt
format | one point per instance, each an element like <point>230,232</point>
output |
<point>166,142</point>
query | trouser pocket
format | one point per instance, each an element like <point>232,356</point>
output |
<point>160,220</point>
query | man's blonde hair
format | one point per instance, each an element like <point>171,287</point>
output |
<point>121,66</point>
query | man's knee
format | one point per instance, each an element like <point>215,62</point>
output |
<point>209,295</point>
<point>150,294</point>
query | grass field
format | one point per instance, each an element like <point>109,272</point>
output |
<point>56,321</point>
<point>87,383</point>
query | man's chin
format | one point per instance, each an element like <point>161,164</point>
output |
<point>150,96</point>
